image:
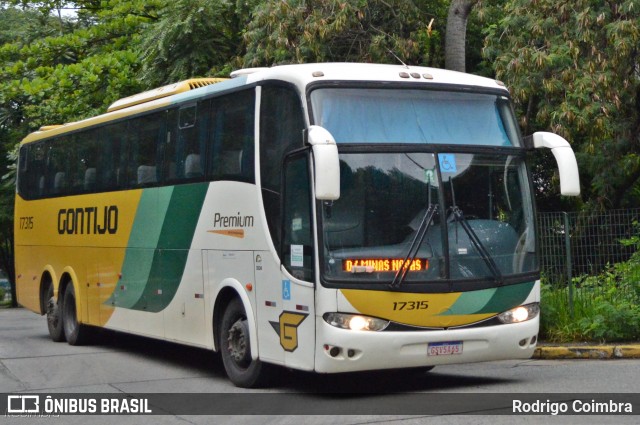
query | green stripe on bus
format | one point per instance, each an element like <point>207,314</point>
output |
<point>492,300</point>
<point>144,237</point>
<point>170,257</point>
<point>470,302</point>
<point>508,297</point>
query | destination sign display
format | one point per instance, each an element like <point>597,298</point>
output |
<point>370,265</point>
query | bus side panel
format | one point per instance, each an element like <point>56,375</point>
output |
<point>184,318</point>
<point>109,272</point>
<point>86,234</point>
<point>229,230</point>
<point>269,300</point>
<point>28,275</point>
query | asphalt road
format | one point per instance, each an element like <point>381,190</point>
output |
<point>118,363</point>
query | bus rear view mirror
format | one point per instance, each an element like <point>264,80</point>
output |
<point>566,159</point>
<point>326,163</point>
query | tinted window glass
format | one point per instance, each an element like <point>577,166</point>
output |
<point>112,172</point>
<point>415,116</point>
<point>281,126</point>
<point>297,250</point>
<point>147,135</point>
<point>232,128</point>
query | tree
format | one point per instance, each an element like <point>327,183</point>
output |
<point>456,34</point>
<point>573,68</point>
<point>298,31</point>
<point>24,25</point>
<point>192,38</point>
<point>67,77</point>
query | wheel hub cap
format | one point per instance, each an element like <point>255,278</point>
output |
<point>237,342</point>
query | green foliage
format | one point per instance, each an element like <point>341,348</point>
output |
<point>573,69</point>
<point>66,77</point>
<point>24,26</point>
<point>297,31</point>
<point>606,306</point>
<point>192,38</point>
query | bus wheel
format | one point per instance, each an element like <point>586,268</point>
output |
<point>75,332</point>
<point>54,318</point>
<point>235,346</point>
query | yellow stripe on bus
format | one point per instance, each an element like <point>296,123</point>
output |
<point>427,310</point>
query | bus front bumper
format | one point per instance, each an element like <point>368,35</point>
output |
<point>341,350</point>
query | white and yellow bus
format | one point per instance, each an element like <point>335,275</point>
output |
<point>322,217</point>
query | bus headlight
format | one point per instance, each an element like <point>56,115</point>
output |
<point>520,314</point>
<point>355,322</point>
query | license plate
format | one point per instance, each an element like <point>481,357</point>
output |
<point>444,348</point>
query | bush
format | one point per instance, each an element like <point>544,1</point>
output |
<point>606,307</point>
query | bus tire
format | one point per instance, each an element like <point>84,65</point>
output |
<point>76,333</point>
<point>235,347</point>
<point>54,316</point>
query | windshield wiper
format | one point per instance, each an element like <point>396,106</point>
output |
<point>415,246</point>
<point>475,240</point>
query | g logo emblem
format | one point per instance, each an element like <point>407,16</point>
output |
<point>287,329</point>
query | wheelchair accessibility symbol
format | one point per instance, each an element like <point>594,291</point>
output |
<point>286,289</point>
<point>447,162</point>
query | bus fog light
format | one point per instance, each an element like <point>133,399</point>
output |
<point>520,314</point>
<point>355,322</point>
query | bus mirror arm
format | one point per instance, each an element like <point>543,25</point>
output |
<point>326,163</point>
<point>565,158</point>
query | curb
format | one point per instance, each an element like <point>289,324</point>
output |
<point>628,351</point>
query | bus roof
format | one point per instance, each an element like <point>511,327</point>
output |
<point>304,74</point>
<point>300,75</point>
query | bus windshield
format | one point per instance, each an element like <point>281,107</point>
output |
<point>379,115</point>
<point>482,227</point>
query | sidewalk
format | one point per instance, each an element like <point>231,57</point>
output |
<point>593,351</point>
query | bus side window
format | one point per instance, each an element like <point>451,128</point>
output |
<point>86,164</point>
<point>112,153</point>
<point>170,150</point>
<point>31,178</point>
<point>147,135</point>
<point>60,157</point>
<point>186,145</point>
<point>297,247</point>
<point>25,186</point>
<point>232,123</point>
<point>191,141</point>
<point>281,125</point>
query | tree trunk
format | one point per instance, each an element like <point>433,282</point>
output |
<point>455,37</point>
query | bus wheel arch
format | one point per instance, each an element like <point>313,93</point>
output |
<point>232,323</point>
<point>223,299</point>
